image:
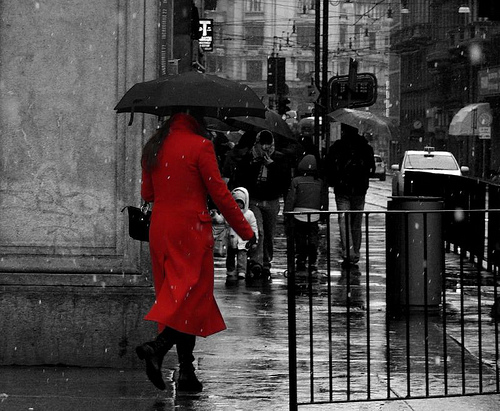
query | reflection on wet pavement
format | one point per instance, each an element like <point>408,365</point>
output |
<point>343,355</point>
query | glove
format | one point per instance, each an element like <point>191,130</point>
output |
<point>252,243</point>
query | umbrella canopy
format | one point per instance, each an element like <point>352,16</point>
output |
<point>215,124</point>
<point>273,122</point>
<point>364,121</point>
<point>219,97</point>
<point>469,120</point>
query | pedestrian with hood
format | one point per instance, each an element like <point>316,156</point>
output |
<point>308,193</point>
<point>265,173</point>
<point>234,156</point>
<point>237,249</point>
<point>349,165</point>
<point>179,171</point>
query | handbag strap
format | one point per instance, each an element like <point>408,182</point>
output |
<point>145,208</point>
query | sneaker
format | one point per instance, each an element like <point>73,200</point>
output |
<point>242,275</point>
<point>231,278</point>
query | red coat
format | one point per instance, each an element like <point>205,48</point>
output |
<point>180,238</point>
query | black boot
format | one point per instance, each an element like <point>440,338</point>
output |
<point>187,379</point>
<point>153,352</point>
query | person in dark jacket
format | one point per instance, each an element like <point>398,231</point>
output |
<point>265,173</point>
<point>349,164</point>
<point>234,157</point>
<point>307,193</point>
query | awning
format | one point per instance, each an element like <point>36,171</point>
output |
<point>469,120</point>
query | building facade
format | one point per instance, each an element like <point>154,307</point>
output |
<point>448,56</point>
<point>247,33</point>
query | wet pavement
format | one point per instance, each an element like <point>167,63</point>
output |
<point>246,366</point>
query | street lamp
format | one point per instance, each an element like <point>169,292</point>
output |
<point>464,9</point>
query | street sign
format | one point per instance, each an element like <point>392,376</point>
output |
<point>485,119</point>
<point>207,39</point>
<point>362,94</point>
<point>484,133</point>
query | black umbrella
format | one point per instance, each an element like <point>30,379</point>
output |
<point>272,122</point>
<point>215,124</point>
<point>219,97</point>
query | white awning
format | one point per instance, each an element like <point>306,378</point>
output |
<point>469,119</point>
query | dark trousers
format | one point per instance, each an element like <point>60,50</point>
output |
<point>306,241</point>
<point>184,343</point>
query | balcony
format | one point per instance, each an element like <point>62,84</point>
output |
<point>411,38</point>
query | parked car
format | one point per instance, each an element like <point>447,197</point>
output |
<point>426,161</point>
<point>380,168</point>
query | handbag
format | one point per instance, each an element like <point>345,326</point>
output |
<point>220,233</point>
<point>138,221</point>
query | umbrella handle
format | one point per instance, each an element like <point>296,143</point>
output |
<point>132,109</point>
<point>131,115</point>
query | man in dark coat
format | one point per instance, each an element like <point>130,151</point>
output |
<point>349,164</point>
<point>265,173</point>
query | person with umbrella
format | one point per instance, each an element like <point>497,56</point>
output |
<point>349,165</point>
<point>265,173</point>
<point>179,171</point>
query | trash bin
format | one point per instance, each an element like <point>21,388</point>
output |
<point>405,246</point>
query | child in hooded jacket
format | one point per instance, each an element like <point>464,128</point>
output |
<point>236,258</point>
<point>307,193</point>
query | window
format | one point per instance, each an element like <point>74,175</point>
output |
<point>210,5</point>
<point>357,37</point>
<point>214,63</point>
<point>306,5</point>
<point>305,35</point>
<point>253,6</point>
<point>218,34</point>
<point>254,70</point>
<point>304,70</point>
<point>254,35</point>
<point>372,40</point>
<point>343,34</point>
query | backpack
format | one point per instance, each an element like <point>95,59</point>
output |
<point>352,167</point>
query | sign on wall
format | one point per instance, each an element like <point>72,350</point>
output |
<point>206,41</point>
<point>489,81</point>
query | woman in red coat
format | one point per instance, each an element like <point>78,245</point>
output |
<point>179,171</point>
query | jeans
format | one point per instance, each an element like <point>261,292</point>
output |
<point>241,260</point>
<point>353,237</point>
<point>306,242</point>
<point>266,214</point>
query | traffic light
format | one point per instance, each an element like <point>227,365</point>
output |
<point>276,75</point>
<point>283,106</point>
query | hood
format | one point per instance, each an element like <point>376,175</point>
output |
<point>308,164</point>
<point>185,122</point>
<point>241,193</point>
